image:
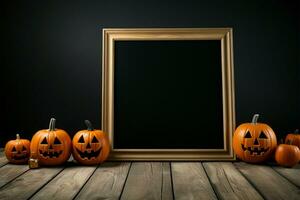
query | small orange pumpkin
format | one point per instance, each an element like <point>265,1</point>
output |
<point>90,147</point>
<point>51,146</point>
<point>287,155</point>
<point>293,138</point>
<point>254,142</point>
<point>17,151</point>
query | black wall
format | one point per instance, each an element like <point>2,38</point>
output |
<point>51,57</point>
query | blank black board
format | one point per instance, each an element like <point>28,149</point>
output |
<point>168,95</point>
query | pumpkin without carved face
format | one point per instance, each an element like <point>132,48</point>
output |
<point>254,142</point>
<point>17,151</point>
<point>90,146</point>
<point>287,155</point>
<point>51,146</point>
<point>293,138</point>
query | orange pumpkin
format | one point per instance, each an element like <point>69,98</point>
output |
<point>17,151</point>
<point>293,138</point>
<point>90,147</point>
<point>254,142</point>
<point>287,155</point>
<point>51,146</point>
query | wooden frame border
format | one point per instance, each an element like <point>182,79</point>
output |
<point>224,35</point>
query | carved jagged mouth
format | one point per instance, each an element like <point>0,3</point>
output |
<point>86,154</point>
<point>51,154</point>
<point>20,157</point>
<point>255,150</point>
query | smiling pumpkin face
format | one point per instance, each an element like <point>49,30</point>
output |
<point>51,146</point>
<point>90,146</point>
<point>254,142</point>
<point>17,151</point>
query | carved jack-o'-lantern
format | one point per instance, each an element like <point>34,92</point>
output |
<point>90,146</point>
<point>17,151</point>
<point>51,146</point>
<point>254,142</point>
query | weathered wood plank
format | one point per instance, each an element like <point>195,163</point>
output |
<point>67,184</point>
<point>106,183</point>
<point>292,174</point>
<point>270,184</point>
<point>148,180</point>
<point>191,182</point>
<point>3,160</point>
<point>228,182</point>
<point>167,189</point>
<point>9,172</point>
<point>28,183</point>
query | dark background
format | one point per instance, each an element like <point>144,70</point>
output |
<point>51,57</point>
<point>168,95</point>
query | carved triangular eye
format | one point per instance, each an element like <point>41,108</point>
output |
<point>23,149</point>
<point>81,139</point>
<point>248,135</point>
<point>56,141</point>
<point>263,136</point>
<point>14,149</point>
<point>94,140</point>
<point>44,141</point>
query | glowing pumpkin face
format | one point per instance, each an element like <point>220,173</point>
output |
<point>254,142</point>
<point>17,151</point>
<point>90,146</point>
<point>51,146</point>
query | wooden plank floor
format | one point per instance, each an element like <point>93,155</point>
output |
<point>150,180</point>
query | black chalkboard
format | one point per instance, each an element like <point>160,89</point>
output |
<point>168,94</point>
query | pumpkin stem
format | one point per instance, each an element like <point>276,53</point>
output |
<point>255,118</point>
<point>281,141</point>
<point>89,125</point>
<point>297,131</point>
<point>17,136</point>
<point>52,124</point>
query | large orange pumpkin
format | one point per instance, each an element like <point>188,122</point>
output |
<point>90,147</point>
<point>254,142</point>
<point>287,155</point>
<point>51,146</point>
<point>17,151</point>
<point>293,138</point>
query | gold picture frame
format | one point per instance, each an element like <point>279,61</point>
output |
<point>224,35</point>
